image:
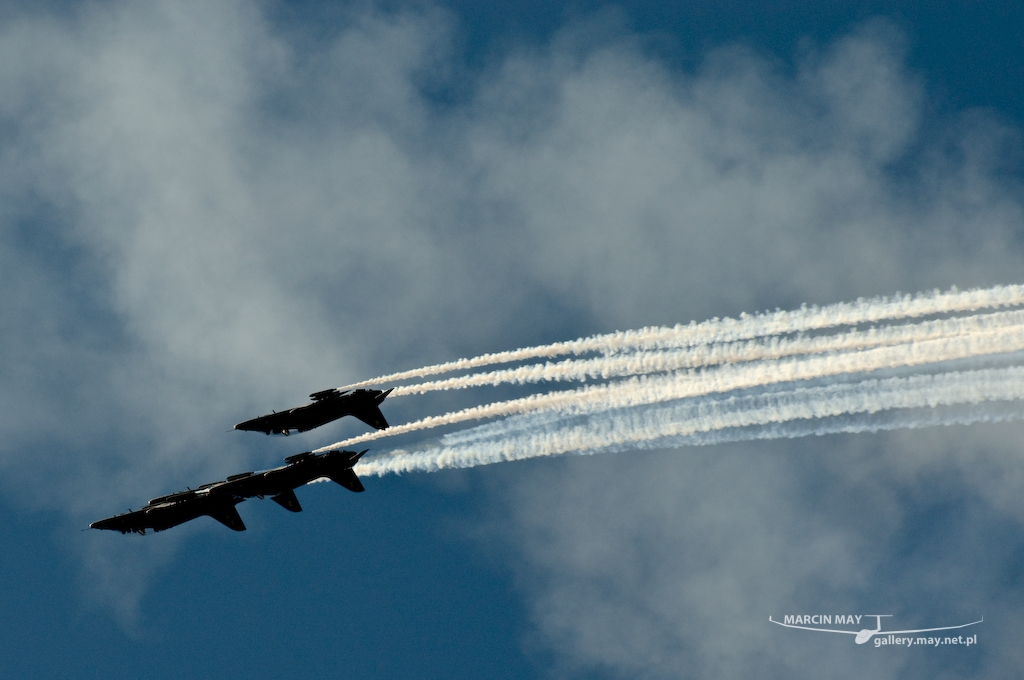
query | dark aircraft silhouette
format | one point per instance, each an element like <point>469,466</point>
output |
<point>218,499</point>
<point>327,406</point>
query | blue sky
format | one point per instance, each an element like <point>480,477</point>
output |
<point>212,209</point>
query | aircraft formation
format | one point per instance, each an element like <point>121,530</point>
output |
<point>218,499</point>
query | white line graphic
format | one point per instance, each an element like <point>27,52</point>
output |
<point>866,634</point>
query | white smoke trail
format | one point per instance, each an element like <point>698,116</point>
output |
<point>746,327</point>
<point>779,374</point>
<point>792,412</point>
<point>643,363</point>
<point>986,340</point>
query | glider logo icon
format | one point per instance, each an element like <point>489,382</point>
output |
<point>881,637</point>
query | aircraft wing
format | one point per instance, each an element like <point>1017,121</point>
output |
<point>227,515</point>
<point>348,479</point>
<point>287,500</point>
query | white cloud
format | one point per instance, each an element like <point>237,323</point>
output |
<point>651,196</point>
<point>203,218</point>
<point>649,193</point>
<point>669,564</point>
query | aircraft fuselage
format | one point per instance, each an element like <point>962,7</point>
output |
<point>327,406</point>
<point>218,499</point>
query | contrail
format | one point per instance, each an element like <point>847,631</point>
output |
<point>788,413</point>
<point>643,363</point>
<point>778,374</point>
<point>746,327</point>
<point>647,390</point>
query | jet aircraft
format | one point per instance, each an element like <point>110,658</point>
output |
<point>218,499</point>
<point>327,405</point>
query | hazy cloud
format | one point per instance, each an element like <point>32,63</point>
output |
<point>204,216</point>
<point>656,193</point>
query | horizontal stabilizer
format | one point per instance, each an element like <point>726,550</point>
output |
<point>229,517</point>
<point>372,416</point>
<point>348,479</point>
<point>287,500</point>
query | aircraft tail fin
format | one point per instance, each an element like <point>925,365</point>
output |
<point>229,517</point>
<point>372,416</point>
<point>348,479</point>
<point>369,410</point>
<point>287,500</point>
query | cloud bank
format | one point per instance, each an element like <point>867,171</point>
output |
<point>205,215</point>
